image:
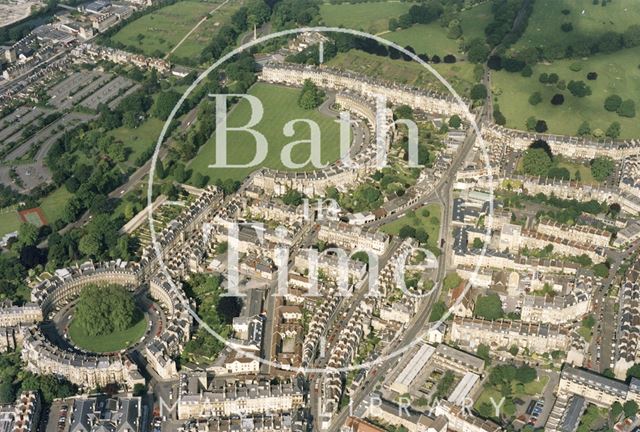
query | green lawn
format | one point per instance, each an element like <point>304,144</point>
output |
<point>280,106</point>
<point>158,32</point>
<point>430,223</point>
<point>193,45</point>
<point>9,221</point>
<point>140,138</point>
<point>533,388</point>
<point>544,30</point>
<point>427,39</point>
<point>53,204</point>
<point>107,343</point>
<point>371,17</point>
<point>474,20</point>
<point>618,73</point>
<point>460,74</point>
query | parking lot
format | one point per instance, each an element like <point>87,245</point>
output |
<point>106,93</point>
<point>59,94</point>
<point>59,415</point>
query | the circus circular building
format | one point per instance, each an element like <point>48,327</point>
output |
<point>98,318</point>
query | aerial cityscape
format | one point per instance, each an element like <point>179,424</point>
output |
<point>319,215</point>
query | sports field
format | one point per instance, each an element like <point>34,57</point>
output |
<point>280,106</point>
<point>460,74</point>
<point>110,342</point>
<point>158,32</point>
<point>371,17</point>
<point>34,216</point>
<point>587,19</point>
<point>426,39</point>
<point>618,73</point>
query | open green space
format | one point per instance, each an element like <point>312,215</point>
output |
<point>460,75</point>
<point>280,107</point>
<point>9,221</point>
<point>618,73</point>
<point>474,20</point>
<point>109,342</point>
<point>53,204</point>
<point>588,21</point>
<point>193,45</point>
<point>427,39</point>
<point>138,139</point>
<point>427,217</point>
<point>371,17</point>
<point>158,32</point>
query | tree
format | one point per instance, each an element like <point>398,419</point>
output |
<point>477,51</point>
<point>527,71</point>
<point>601,270</point>
<point>592,76</point>
<point>106,309</point>
<point>630,408</point>
<point>292,197</point>
<point>536,162</point>
<point>634,371</point>
<point>553,78</point>
<point>584,128</point>
<point>535,98</point>
<point>477,243</point>
<point>615,411</point>
<point>489,307</point>
<point>541,126</point>
<point>526,374</point>
<point>478,92</point>
<point>403,112</point>
<point>557,99</point>
<point>165,103</point>
<point>579,88</point>
<point>613,131</point>
<point>455,121</point>
<point>602,167</point>
<point>566,27</point>
<point>7,393</point>
<point>612,102</point>
<point>407,231</point>
<point>438,310</point>
<point>631,36</point>
<point>543,78</point>
<point>454,29</point>
<point>311,96</point>
<point>627,108</point>
<point>483,352</point>
<point>531,123</point>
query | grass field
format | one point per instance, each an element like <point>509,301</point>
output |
<point>9,221</point>
<point>430,223</point>
<point>547,17</point>
<point>369,17</point>
<point>618,73</point>
<point>474,20</point>
<point>158,32</point>
<point>280,106</point>
<point>53,204</point>
<point>460,75</point>
<point>107,343</point>
<point>427,39</point>
<point>194,44</point>
<point>140,138</point>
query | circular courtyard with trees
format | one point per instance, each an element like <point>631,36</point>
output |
<point>106,319</point>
